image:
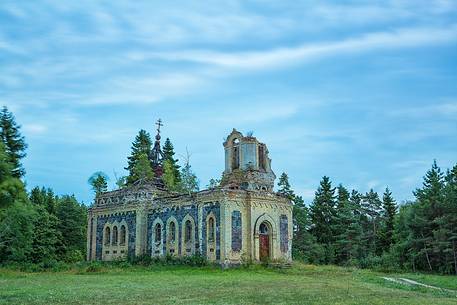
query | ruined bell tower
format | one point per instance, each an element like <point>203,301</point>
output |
<point>247,165</point>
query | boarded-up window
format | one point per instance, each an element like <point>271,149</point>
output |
<point>236,231</point>
<point>284,233</point>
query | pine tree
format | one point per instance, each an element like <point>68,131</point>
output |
<point>45,198</point>
<point>284,186</point>
<point>168,154</point>
<point>371,222</point>
<point>388,214</point>
<point>14,142</point>
<point>99,182</point>
<point>322,212</point>
<point>141,146</point>
<point>142,169</point>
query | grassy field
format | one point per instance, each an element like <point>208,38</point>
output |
<point>302,284</point>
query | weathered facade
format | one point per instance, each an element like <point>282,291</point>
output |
<point>242,219</point>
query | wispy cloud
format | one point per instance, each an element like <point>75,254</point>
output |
<point>399,38</point>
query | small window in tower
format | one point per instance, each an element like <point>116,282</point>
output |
<point>211,229</point>
<point>236,158</point>
<point>262,157</point>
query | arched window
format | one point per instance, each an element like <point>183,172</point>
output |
<point>188,231</point>
<point>158,233</point>
<point>123,236</point>
<point>172,235</point>
<point>263,228</point>
<point>107,236</point>
<point>114,235</point>
<point>211,229</point>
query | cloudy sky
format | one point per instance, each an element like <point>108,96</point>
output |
<point>364,92</point>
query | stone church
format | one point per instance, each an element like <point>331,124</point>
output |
<point>239,220</point>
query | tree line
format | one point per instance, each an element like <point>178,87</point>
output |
<point>36,227</point>
<point>371,231</point>
<point>338,227</point>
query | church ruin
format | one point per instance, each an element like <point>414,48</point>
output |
<point>241,219</point>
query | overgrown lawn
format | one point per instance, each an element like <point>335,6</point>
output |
<point>302,284</point>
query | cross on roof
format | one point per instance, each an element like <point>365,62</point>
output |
<point>159,124</point>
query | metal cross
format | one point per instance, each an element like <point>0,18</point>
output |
<point>159,124</point>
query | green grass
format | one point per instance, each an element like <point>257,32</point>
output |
<point>302,284</point>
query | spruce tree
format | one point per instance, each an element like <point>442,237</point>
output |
<point>142,169</point>
<point>141,146</point>
<point>371,222</point>
<point>402,248</point>
<point>388,214</point>
<point>168,154</point>
<point>304,245</point>
<point>425,221</point>
<point>346,227</point>
<point>14,142</point>
<point>445,232</point>
<point>284,186</point>
<point>169,177</point>
<point>6,168</point>
<point>322,212</point>
<point>44,197</point>
<point>11,189</point>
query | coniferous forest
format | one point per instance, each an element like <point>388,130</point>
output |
<point>340,226</point>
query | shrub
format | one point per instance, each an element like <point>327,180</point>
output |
<point>73,256</point>
<point>94,267</point>
<point>146,260</point>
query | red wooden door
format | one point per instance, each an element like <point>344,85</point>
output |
<point>264,247</point>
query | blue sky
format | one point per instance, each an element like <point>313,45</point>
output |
<point>364,92</point>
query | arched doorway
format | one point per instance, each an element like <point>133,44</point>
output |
<point>264,241</point>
